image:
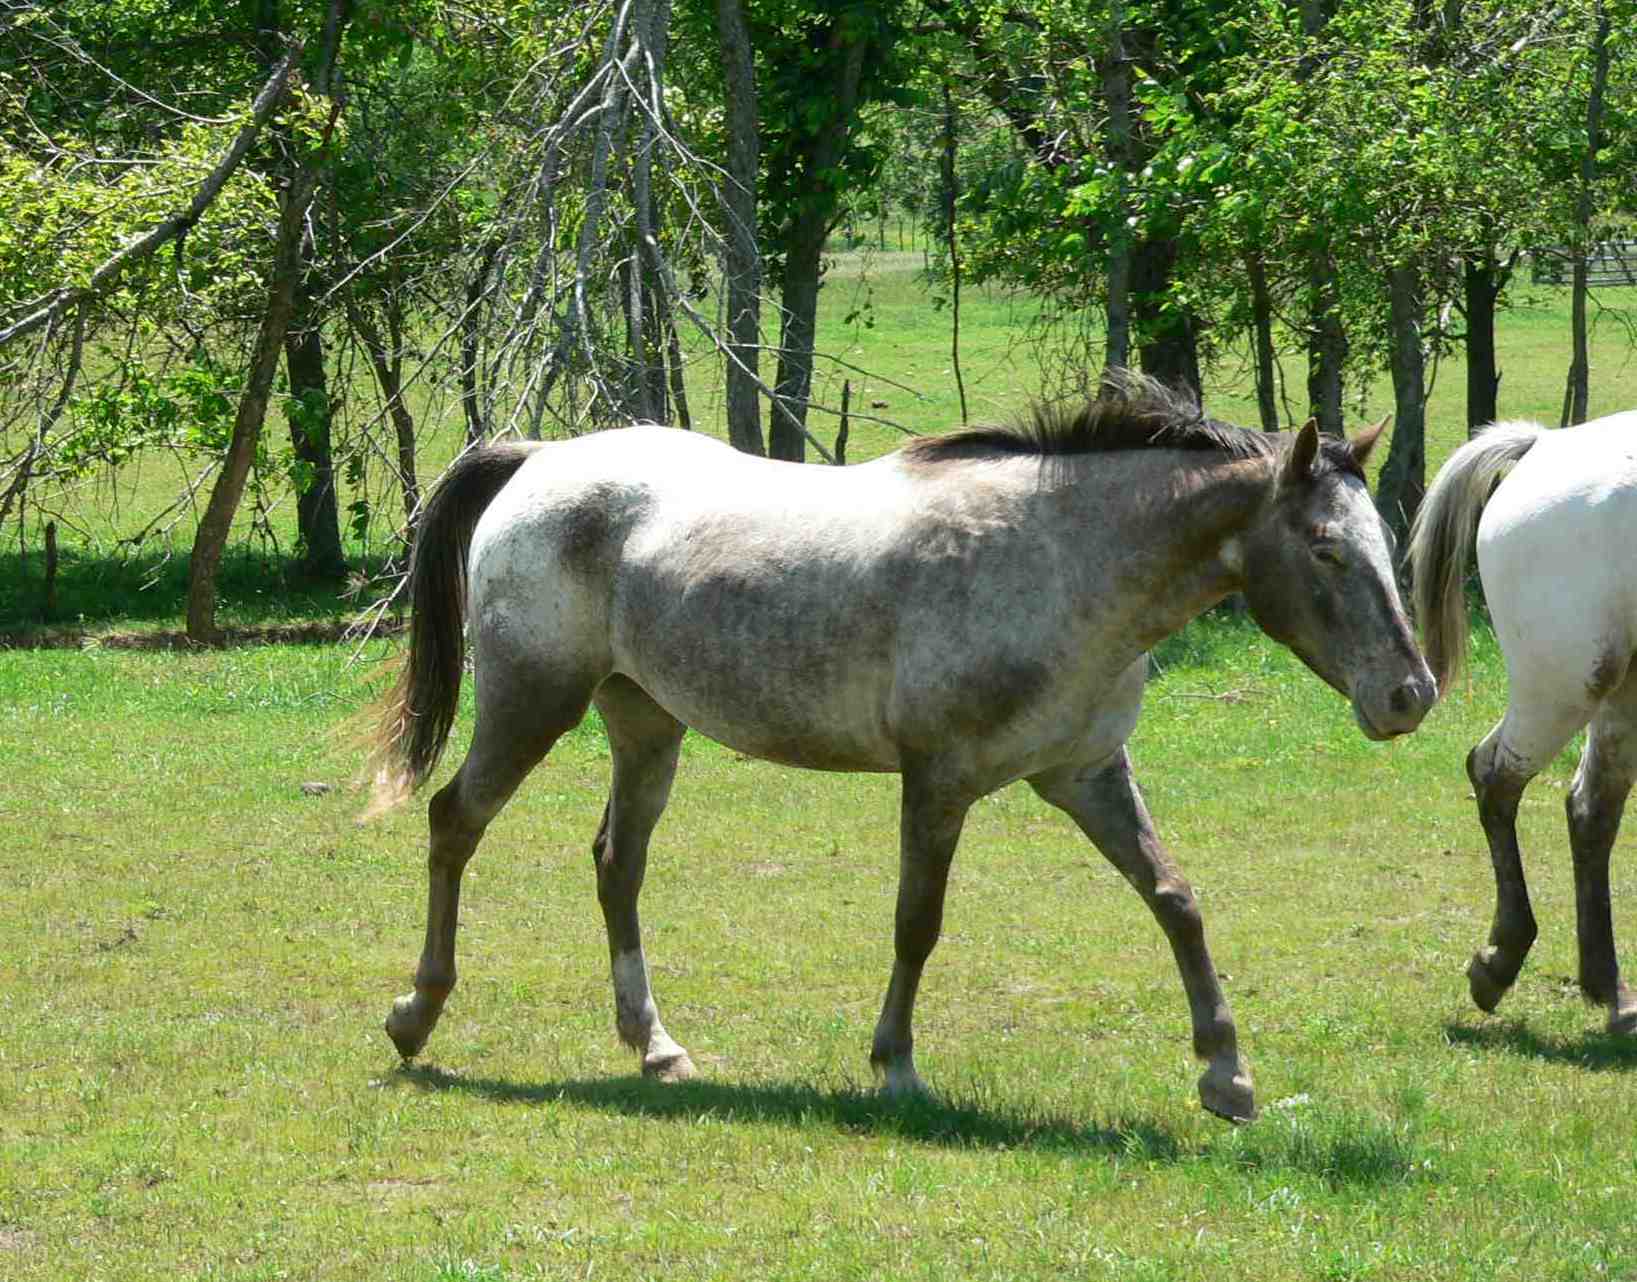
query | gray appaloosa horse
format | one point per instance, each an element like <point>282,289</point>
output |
<point>1553,516</point>
<point>971,610</point>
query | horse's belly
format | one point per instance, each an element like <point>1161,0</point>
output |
<point>792,735</point>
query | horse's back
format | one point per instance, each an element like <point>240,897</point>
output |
<point>1555,552</point>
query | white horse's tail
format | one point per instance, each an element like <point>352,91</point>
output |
<point>1441,539</point>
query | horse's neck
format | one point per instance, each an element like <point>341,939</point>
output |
<point>1193,540</point>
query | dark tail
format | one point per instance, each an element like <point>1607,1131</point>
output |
<point>1442,536</point>
<point>417,714</point>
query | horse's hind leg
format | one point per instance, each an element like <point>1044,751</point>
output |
<point>1539,720</point>
<point>645,740</point>
<point>1594,804</point>
<point>1107,805</point>
<point>519,717</point>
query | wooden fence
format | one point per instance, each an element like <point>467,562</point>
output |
<point>1610,262</point>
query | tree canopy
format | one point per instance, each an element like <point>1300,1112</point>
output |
<point>530,214</point>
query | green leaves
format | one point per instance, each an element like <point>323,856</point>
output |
<point>186,408</point>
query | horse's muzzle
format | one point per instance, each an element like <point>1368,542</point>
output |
<point>1397,709</point>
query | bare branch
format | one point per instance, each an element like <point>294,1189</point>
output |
<point>108,274</point>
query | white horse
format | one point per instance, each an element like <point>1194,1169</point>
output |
<point>969,611</point>
<point>1556,540</point>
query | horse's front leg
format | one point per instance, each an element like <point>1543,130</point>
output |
<point>929,828</point>
<point>1108,806</point>
<point>1595,804</point>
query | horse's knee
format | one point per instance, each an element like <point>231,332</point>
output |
<point>1593,823</point>
<point>1177,909</point>
<point>1498,790</point>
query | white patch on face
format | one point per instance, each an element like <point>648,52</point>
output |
<point>1359,525</point>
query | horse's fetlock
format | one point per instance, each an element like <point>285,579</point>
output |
<point>1215,1036</point>
<point>434,985</point>
<point>889,1050</point>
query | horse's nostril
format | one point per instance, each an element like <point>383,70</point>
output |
<point>1401,699</point>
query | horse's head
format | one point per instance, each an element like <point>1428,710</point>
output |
<point>1318,571</point>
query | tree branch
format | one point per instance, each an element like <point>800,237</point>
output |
<point>107,275</point>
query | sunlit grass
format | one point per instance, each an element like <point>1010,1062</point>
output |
<point>196,954</point>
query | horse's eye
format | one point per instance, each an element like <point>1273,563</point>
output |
<point>1329,553</point>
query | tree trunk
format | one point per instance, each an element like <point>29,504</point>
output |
<point>1404,475</point>
<point>1326,336</point>
<point>318,523</point>
<point>1117,93</point>
<point>804,251</point>
<point>1483,278</point>
<point>1261,305</point>
<point>1326,345</point>
<point>679,386</point>
<point>1577,401</point>
<point>1168,340</point>
<point>388,366</point>
<point>470,347</point>
<point>211,538</point>
<point>804,260</point>
<point>742,265</point>
<point>650,314</point>
<point>951,195</point>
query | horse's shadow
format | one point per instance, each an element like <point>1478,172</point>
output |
<point>1597,1052</point>
<point>930,1120</point>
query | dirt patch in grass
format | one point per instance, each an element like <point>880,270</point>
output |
<point>17,1241</point>
<point>325,633</point>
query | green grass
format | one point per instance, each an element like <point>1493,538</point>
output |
<point>878,329</point>
<point>196,956</point>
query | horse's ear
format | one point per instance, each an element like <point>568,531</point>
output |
<point>1365,441</point>
<point>1299,466</point>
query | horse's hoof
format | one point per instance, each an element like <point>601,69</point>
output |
<point>671,1066</point>
<point>897,1079</point>
<point>1623,1019</point>
<point>406,1028</point>
<point>1228,1094</point>
<point>1486,990</point>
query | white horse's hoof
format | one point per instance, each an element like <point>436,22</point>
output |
<point>668,1066</point>
<point>901,1081</point>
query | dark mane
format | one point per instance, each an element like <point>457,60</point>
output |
<point>1134,413</point>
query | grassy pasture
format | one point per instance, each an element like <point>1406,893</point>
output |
<point>195,959</point>
<point>196,956</point>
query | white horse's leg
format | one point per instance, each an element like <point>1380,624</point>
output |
<point>1541,717</point>
<point>930,824</point>
<point>518,720</point>
<point>646,741</point>
<point>1594,804</point>
<point>1109,809</point>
